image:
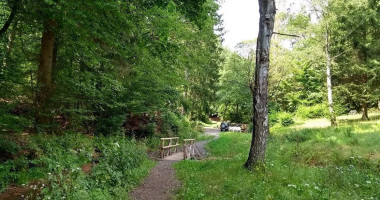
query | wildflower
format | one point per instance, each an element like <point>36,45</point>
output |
<point>291,185</point>
<point>316,187</point>
<point>356,185</point>
<point>352,157</point>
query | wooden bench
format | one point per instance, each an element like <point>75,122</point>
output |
<point>170,147</point>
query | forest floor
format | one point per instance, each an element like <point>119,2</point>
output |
<point>162,182</point>
<point>301,163</point>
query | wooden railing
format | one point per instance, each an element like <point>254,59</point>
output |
<point>170,147</point>
<point>188,148</point>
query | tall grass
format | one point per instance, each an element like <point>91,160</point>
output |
<point>329,163</point>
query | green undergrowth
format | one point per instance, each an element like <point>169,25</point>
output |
<point>115,165</point>
<point>328,163</point>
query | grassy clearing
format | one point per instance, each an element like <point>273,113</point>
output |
<point>326,163</point>
<point>342,120</point>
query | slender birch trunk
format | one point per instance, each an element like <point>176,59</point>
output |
<point>329,84</point>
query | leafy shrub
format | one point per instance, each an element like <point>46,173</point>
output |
<point>150,129</point>
<point>121,164</point>
<point>273,118</point>
<point>14,123</point>
<point>4,176</point>
<point>170,123</point>
<point>8,147</point>
<point>189,130</point>
<point>315,111</point>
<point>286,119</point>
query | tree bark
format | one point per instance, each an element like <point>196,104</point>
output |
<point>260,92</point>
<point>329,85</point>
<point>44,75</point>
<point>9,49</point>
<point>365,111</point>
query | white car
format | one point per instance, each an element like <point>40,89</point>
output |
<point>234,129</point>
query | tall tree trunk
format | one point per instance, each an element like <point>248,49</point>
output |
<point>45,69</point>
<point>329,85</point>
<point>365,111</point>
<point>7,54</point>
<point>260,91</point>
<point>9,48</point>
<point>11,17</point>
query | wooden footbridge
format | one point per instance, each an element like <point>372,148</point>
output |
<point>170,146</point>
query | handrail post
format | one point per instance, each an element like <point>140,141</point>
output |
<point>170,148</point>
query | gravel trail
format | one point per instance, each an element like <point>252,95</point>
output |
<point>161,182</point>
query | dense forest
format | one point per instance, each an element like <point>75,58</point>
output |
<point>101,68</point>
<point>87,88</point>
<point>140,69</point>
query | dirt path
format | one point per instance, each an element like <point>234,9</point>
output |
<point>161,182</point>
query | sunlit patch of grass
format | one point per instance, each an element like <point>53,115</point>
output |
<point>319,163</point>
<point>342,120</point>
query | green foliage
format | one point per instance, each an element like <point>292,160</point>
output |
<point>310,112</point>
<point>286,119</point>
<point>116,164</point>
<point>234,94</point>
<point>10,120</point>
<point>111,61</point>
<point>188,130</point>
<point>121,166</point>
<point>300,164</point>
<point>8,147</point>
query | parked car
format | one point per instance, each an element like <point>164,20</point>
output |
<point>224,126</point>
